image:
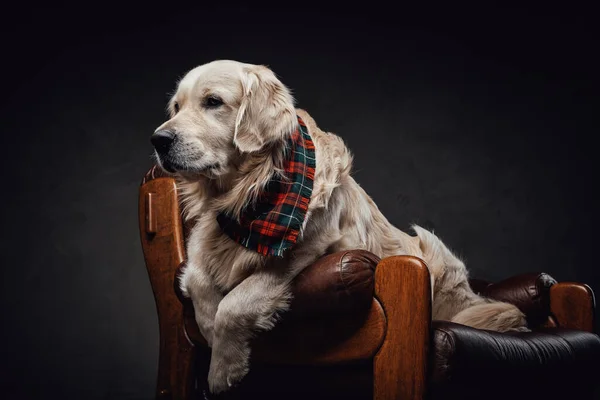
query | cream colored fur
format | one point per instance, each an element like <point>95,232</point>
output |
<point>223,157</point>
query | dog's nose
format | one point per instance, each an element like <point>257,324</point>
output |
<point>162,140</point>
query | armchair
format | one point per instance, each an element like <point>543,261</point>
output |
<point>361,327</point>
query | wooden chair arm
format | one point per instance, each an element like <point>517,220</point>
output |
<point>572,305</point>
<point>403,286</point>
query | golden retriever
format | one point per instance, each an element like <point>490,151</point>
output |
<point>224,142</point>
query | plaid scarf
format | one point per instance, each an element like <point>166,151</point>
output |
<point>272,225</point>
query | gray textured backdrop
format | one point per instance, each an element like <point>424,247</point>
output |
<point>476,126</point>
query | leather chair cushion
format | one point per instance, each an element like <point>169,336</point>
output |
<point>469,361</point>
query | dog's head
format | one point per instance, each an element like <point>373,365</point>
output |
<point>221,111</point>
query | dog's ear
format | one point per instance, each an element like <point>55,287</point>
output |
<point>266,112</point>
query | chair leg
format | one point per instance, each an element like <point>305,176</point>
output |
<point>402,285</point>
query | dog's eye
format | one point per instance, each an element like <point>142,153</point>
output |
<point>213,102</point>
<point>176,107</point>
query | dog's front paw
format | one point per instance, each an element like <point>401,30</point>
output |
<point>227,370</point>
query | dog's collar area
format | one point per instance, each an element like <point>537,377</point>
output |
<point>273,224</point>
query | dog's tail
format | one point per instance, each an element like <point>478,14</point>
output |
<point>446,268</point>
<point>493,315</point>
<point>463,306</point>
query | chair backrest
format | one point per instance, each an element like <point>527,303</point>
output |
<point>161,234</point>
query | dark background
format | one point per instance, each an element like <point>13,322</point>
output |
<point>477,122</point>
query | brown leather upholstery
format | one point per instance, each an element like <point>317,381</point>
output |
<point>338,283</point>
<point>530,292</point>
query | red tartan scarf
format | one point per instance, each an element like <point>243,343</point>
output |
<point>272,225</point>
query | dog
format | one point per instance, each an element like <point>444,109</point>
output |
<point>232,129</point>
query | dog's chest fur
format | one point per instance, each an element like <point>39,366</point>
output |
<point>224,260</point>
